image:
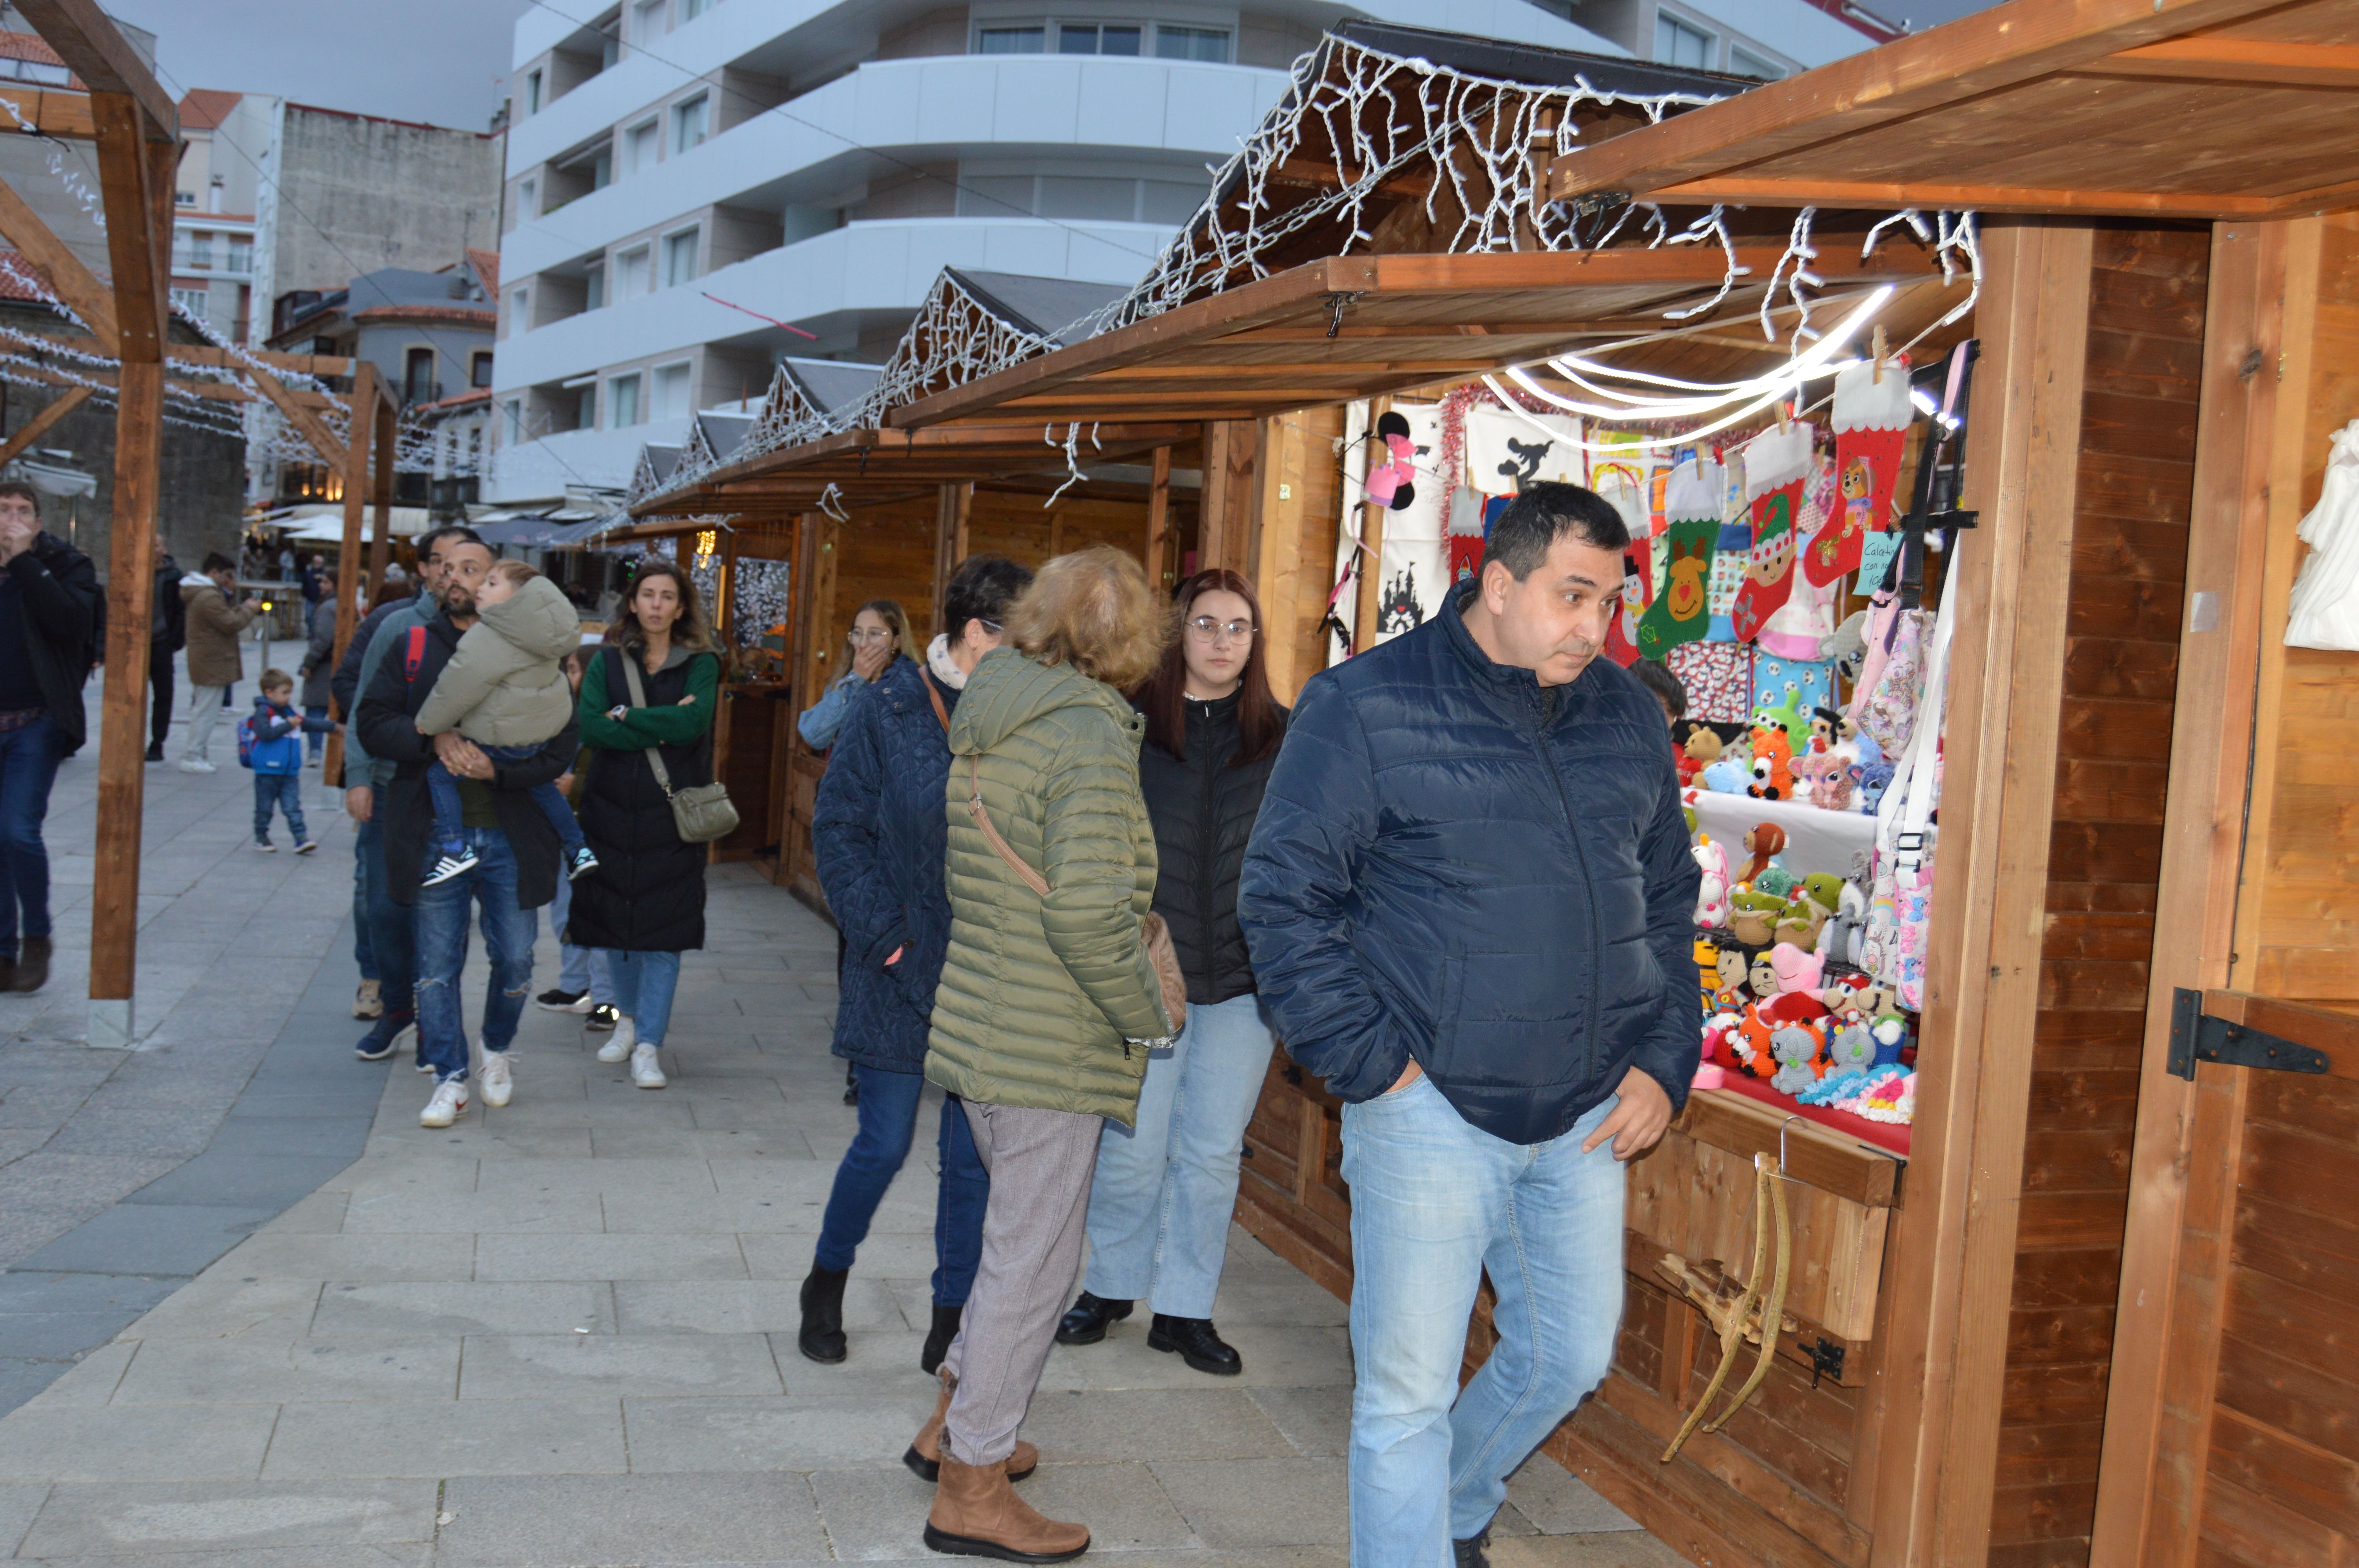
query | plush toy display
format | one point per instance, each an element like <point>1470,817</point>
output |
<point>1698,751</point>
<point>1727,776</point>
<point>1799,1051</point>
<point>1795,969</point>
<point>1731,995</point>
<point>1773,765</point>
<point>1873,779</point>
<point>1824,779</point>
<point>1753,915</point>
<point>1852,1049</point>
<point>1712,894</point>
<point>1788,714</point>
<point>1764,841</point>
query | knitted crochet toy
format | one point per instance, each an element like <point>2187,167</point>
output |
<point>1712,895</point>
<point>1773,765</point>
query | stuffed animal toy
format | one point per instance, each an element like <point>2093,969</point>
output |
<point>1748,1043</point>
<point>1799,1049</point>
<point>1848,644</point>
<point>1824,779</point>
<point>1786,715</point>
<point>1388,484</point>
<point>1753,915</point>
<point>1842,998</point>
<point>1853,1049</point>
<point>1707,961</point>
<point>1795,969</point>
<point>1891,1034</point>
<point>1701,749</point>
<point>1731,995</point>
<point>1891,1098</point>
<point>1727,776</point>
<point>1712,894</point>
<point>1761,977</point>
<point>1800,924</point>
<point>1763,842</point>
<point>1773,765</point>
<point>1823,889</point>
<point>1777,882</point>
<point>1873,779</point>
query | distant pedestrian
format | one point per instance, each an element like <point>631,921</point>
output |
<point>650,694</point>
<point>1049,1004</point>
<point>286,563</point>
<point>318,584</point>
<point>167,634</point>
<point>317,670</point>
<point>215,662</point>
<point>880,833</point>
<point>271,748</point>
<point>49,614</point>
<point>1160,1203</point>
<point>880,634</point>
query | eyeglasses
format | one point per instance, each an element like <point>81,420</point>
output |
<point>1204,628</point>
<point>871,634</point>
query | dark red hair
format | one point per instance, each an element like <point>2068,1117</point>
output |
<point>1163,696</point>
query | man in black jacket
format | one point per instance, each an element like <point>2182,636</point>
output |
<point>1469,898</point>
<point>167,634</point>
<point>48,608</point>
<point>518,850</point>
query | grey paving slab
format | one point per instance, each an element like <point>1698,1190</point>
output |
<point>232,1307</point>
<point>1317,1421</point>
<point>458,1307</point>
<point>1140,1425</point>
<point>218,1516</point>
<point>153,1238</point>
<point>187,1371</point>
<point>447,1438</point>
<point>743,1306</point>
<point>1560,1503</point>
<point>1635,1550</point>
<point>1259,1502</point>
<point>502,1366</point>
<point>235,1178</point>
<point>275,1254</point>
<point>501,1521</point>
<point>135,1443</point>
<point>807,1432</point>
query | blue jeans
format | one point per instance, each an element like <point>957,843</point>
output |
<point>392,929</point>
<point>1160,1203</point>
<point>443,788</point>
<point>1434,1203</point>
<point>643,984</point>
<point>285,792</point>
<point>579,968</point>
<point>315,740</point>
<point>507,929</point>
<point>888,1124</point>
<point>28,766</point>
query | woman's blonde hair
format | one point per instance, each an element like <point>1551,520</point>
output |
<point>1092,610</point>
<point>889,610</point>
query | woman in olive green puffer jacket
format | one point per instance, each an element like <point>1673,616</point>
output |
<point>1047,1006</point>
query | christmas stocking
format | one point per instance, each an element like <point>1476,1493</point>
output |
<point>1680,612</point>
<point>1774,464</point>
<point>1621,634</point>
<point>1871,420</point>
<point>1463,535</point>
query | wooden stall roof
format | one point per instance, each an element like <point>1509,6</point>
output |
<point>1354,326</point>
<point>2203,108</point>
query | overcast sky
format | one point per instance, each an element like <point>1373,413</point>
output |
<point>443,61</point>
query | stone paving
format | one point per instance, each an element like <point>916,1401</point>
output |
<point>563,1333</point>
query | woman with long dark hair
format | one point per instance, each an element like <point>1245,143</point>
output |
<point>1160,1201</point>
<point>645,903</point>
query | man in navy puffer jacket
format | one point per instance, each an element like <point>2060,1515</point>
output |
<point>1469,899</point>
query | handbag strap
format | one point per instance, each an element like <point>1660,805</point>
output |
<point>936,699</point>
<point>639,700</point>
<point>982,815</point>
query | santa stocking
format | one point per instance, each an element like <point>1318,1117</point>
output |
<point>1775,463</point>
<point>1871,420</point>
<point>1680,612</point>
<point>1622,632</point>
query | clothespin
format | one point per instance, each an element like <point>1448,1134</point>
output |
<point>1785,416</point>
<point>1876,376</point>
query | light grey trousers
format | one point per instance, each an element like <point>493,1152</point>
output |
<point>1040,1163</point>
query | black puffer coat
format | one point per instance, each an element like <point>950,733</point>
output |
<point>1203,812</point>
<point>648,894</point>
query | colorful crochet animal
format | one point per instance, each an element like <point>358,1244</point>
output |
<point>1773,765</point>
<point>1712,895</point>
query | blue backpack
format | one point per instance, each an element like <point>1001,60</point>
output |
<point>283,755</point>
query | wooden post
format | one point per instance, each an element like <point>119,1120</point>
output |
<point>388,446</point>
<point>348,559</point>
<point>953,509</point>
<point>1159,522</point>
<point>1227,506</point>
<point>1369,585</point>
<point>1279,500</point>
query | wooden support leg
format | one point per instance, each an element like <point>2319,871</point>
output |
<point>123,723</point>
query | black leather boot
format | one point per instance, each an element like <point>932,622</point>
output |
<point>33,964</point>
<point>1475,1552</point>
<point>1088,1322</point>
<point>938,1337</point>
<point>821,1337</point>
<point>1198,1344</point>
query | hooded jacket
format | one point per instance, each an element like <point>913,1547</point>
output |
<point>1043,1000</point>
<point>1456,866</point>
<point>213,627</point>
<point>503,686</point>
<point>59,588</point>
<point>1203,812</point>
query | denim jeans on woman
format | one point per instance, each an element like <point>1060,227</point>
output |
<point>1434,1203</point>
<point>1160,1203</point>
<point>28,766</point>
<point>509,931</point>
<point>889,1102</point>
<point>644,986</point>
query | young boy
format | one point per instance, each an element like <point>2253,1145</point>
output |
<point>504,691</point>
<point>276,755</point>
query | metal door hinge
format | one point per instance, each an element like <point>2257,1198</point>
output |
<point>2198,1036</point>
<point>1826,1361</point>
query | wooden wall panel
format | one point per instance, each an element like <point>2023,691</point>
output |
<point>2129,561</point>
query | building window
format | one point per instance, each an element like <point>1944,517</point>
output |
<point>1681,43</point>
<point>622,402</point>
<point>1011,40</point>
<point>241,255</point>
<point>512,421</point>
<point>594,286</point>
<point>532,93</point>
<point>1075,196</point>
<point>528,200</point>
<point>1210,44</point>
<point>647,20</point>
<point>192,300</point>
<point>631,273</point>
<point>688,124</point>
<point>678,258</point>
<point>479,368</point>
<point>585,407</point>
<point>689,10</point>
<point>602,169</point>
<point>670,399</point>
<point>417,376</point>
<point>1744,62</point>
<point>200,253</point>
<point>520,310</point>
<point>639,146</point>
<point>1091,38</point>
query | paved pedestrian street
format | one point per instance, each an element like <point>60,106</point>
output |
<point>562,1333</point>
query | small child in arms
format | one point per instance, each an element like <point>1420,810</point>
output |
<point>504,690</point>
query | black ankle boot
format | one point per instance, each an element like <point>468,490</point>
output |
<point>938,1337</point>
<point>822,1300</point>
<point>1087,1322</point>
<point>33,964</point>
<point>1198,1344</point>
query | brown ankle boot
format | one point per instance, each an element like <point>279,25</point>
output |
<point>925,1453</point>
<point>977,1514</point>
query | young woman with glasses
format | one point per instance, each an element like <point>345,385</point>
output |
<point>880,633</point>
<point>1160,1204</point>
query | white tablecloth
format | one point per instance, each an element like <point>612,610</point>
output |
<point>1816,840</point>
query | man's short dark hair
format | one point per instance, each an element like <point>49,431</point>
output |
<point>217,562</point>
<point>1658,679</point>
<point>432,537</point>
<point>19,487</point>
<point>981,589</point>
<point>1533,522</point>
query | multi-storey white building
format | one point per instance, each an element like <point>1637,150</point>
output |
<point>699,188</point>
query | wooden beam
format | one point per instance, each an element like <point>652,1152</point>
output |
<point>1959,194</point>
<point>128,175</point>
<point>1227,510</point>
<point>1369,584</point>
<point>313,429</point>
<point>64,115</point>
<point>388,441</point>
<point>1279,499</point>
<point>954,503</point>
<point>37,426</point>
<point>92,47</point>
<point>76,287</point>
<point>1159,522</point>
<point>2251,62</point>
<point>348,558</point>
<point>217,359</point>
<point>123,714</point>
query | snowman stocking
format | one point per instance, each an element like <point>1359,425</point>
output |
<point>1871,420</point>
<point>1776,462</point>
<point>1680,612</point>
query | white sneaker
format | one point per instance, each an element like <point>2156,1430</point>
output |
<point>448,1104</point>
<point>196,765</point>
<point>645,1071</point>
<point>619,1043</point>
<point>498,1083</point>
